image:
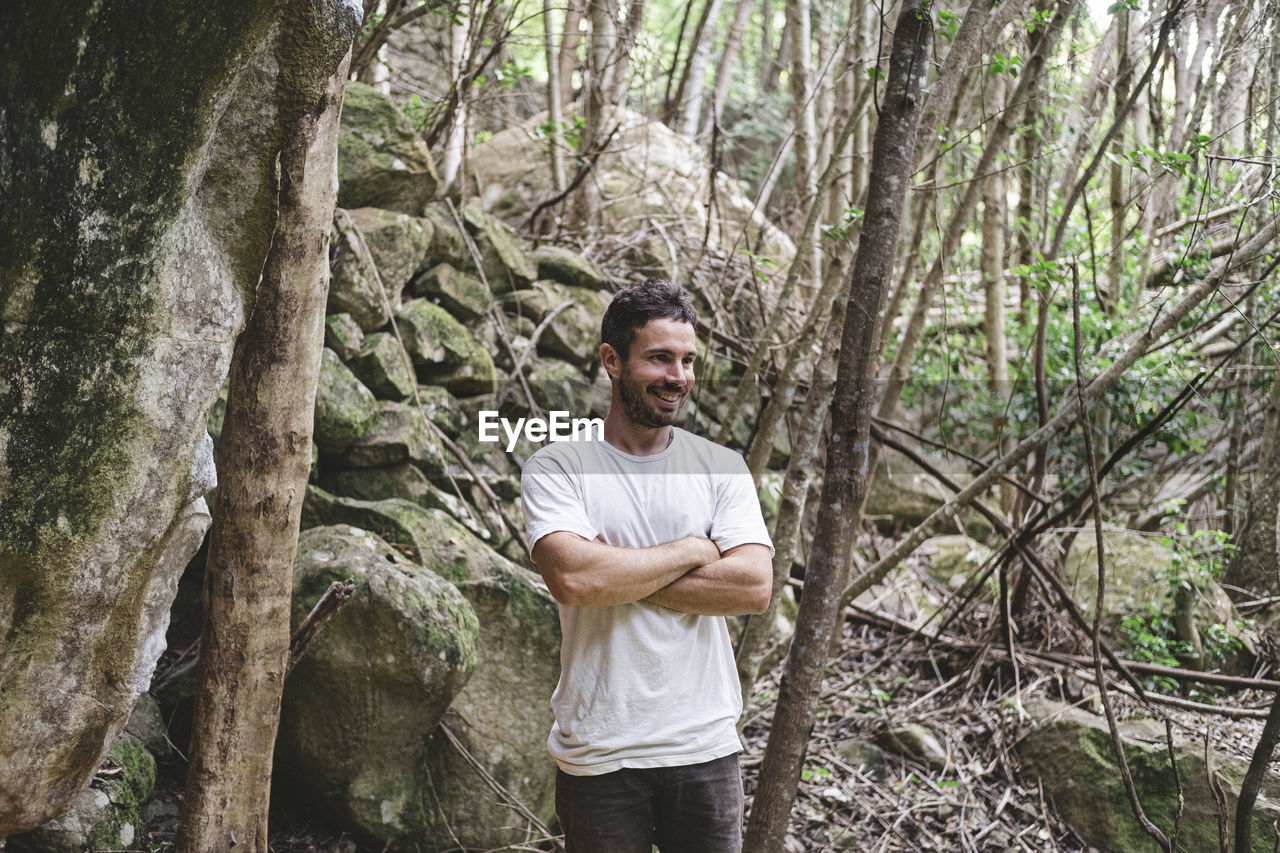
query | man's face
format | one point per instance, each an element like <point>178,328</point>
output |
<point>656,377</point>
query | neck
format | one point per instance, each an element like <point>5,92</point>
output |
<point>630,437</point>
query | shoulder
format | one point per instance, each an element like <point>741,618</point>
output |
<point>715,458</point>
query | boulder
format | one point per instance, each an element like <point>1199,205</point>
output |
<point>448,243</point>
<point>568,267</point>
<point>382,162</point>
<point>555,386</point>
<point>140,188</point>
<point>396,433</point>
<point>408,483</point>
<point>901,495</point>
<point>916,742</point>
<point>1070,750</point>
<point>343,335</point>
<point>444,352</point>
<point>344,406</point>
<point>354,287</point>
<point>649,172</point>
<point>954,560</point>
<point>399,244</point>
<point>358,706</point>
<point>382,367</point>
<point>574,332</point>
<point>107,814</point>
<point>1140,572</point>
<point>503,256</point>
<point>503,714</point>
<point>461,294</point>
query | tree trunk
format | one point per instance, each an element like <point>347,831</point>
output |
<point>555,110</point>
<point>843,490</point>
<point>688,100</point>
<point>994,215</point>
<point>569,44</point>
<point>724,68</point>
<point>264,458</point>
<point>1254,566</point>
<point>620,82</point>
<point>455,139</point>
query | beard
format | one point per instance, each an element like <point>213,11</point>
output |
<point>641,411</point>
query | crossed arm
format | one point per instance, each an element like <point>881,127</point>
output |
<point>689,575</point>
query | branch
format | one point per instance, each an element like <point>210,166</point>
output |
<point>338,593</point>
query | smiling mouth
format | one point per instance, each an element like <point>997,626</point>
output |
<point>668,397</point>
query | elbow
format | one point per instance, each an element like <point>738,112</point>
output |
<point>758,601</point>
<point>570,591</point>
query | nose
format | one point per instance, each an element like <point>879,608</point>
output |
<point>680,373</point>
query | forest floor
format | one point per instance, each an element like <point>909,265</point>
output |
<point>858,792</point>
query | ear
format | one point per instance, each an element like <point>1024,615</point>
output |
<point>611,360</point>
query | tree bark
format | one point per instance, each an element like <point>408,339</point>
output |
<point>893,157</point>
<point>555,110</point>
<point>264,458</point>
<point>569,44</point>
<point>724,68</point>
<point>688,100</point>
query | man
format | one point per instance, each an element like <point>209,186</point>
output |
<point>647,539</point>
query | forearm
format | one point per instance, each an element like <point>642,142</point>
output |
<point>584,573</point>
<point>734,585</point>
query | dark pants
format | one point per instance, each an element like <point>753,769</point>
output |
<point>691,809</point>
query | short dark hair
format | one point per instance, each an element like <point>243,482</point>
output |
<point>632,307</point>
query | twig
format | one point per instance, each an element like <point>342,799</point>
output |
<point>588,163</point>
<point>1177,783</point>
<point>498,788</point>
<point>338,593</point>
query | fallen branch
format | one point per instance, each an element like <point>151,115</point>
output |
<point>338,593</point>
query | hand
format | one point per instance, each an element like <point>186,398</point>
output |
<point>704,550</point>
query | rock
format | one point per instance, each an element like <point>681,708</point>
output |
<point>444,351</point>
<point>343,335</point>
<point>443,409</point>
<point>954,560</point>
<point>398,242</point>
<point>916,742</point>
<point>382,367</point>
<point>568,267</point>
<point>574,333</point>
<point>407,483</point>
<point>448,244</point>
<point>107,814</point>
<point>502,716</point>
<point>506,265</point>
<point>396,433</point>
<point>1070,750</point>
<point>146,723</point>
<point>861,755</point>
<point>649,172</point>
<point>382,162</point>
<point>400,522</point>
<point>344,406</point>
<point>461,294</point>
<point>1139,572</point>
<point>353,279</point>
<point>137,216</point>
<point>902,495</point>
<point>556,386</point>
<point>358,706</point>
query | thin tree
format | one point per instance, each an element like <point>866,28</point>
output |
<point>264,458</point>
<point>843,489</point>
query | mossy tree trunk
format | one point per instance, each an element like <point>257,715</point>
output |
<point>264,458</point>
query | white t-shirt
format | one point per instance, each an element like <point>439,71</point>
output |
<point>642,685</point>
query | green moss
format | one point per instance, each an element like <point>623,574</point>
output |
<point>129,791</point>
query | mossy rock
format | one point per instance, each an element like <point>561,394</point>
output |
<point>382,162</point>
<point>343,335</point>
<point>448,244</point>
<point>954,560</point>
<point>444,351</point>
<point>382,367</point>
<point>344,406</point>
<point>107,814</point>
<point>517,658</point>
<point>354,288</point>
<point>568,267</point>
<point>399,244</point>
<point>378,678</point>
<point>461,294</point>
<point>405,482</point>
<point>574,332</point>
<point>396,433</point>
<point>1070,750</point>
<point>556,386</point>
<point>505,260</point>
